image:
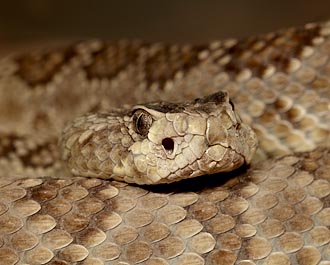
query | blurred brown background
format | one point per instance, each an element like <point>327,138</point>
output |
<point>172,21</point>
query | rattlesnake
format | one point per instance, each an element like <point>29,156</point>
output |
<point>274,212</point>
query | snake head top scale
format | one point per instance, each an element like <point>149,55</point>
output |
<point>159,142</point>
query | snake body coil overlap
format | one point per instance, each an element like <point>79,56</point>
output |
<point>276,211</point>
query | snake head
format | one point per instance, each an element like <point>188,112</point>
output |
<point>159,142</point>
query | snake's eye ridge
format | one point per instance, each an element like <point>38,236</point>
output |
<point>142,121</point>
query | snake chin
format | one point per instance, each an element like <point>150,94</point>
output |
<point>160,142</point>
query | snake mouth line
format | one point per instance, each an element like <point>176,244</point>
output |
<point>194,169</point>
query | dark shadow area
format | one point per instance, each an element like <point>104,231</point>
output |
<point>199,183</point>
<point>191,21</point>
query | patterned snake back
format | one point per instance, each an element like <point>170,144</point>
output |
<point>275,212</point>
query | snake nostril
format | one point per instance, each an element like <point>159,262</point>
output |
<point>168,144</point>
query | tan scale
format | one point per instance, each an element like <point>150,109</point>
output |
<point>197,234</point>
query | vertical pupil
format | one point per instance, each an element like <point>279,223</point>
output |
<point>140,123</point>
<point>232,104</point>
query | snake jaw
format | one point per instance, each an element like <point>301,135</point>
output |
<point>160,142</point>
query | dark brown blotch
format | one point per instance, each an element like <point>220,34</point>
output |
<point>39,68</point>
<point>112,58</point>
<point>277,50</point>
<point>163,64</point>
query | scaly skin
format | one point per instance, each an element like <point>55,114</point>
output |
<point>276,213</point>
<point>159,142</point>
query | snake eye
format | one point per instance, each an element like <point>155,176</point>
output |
<point>142,121</point>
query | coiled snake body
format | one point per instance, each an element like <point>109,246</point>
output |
<point>277,211</point>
